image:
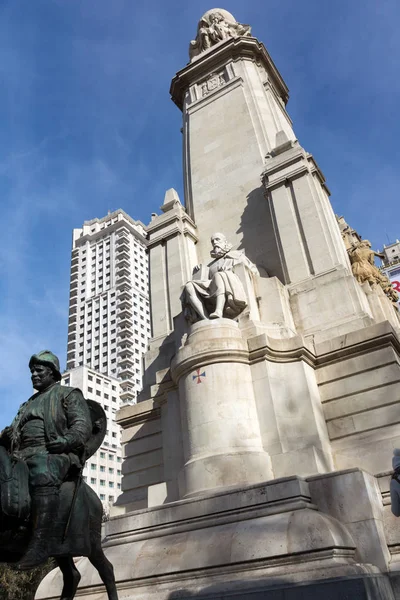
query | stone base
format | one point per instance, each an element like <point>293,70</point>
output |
<point>268,541</point>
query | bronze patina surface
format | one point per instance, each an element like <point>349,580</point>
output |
<point>46,507</point>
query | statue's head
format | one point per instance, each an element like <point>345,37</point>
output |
<point>220,244</point>
<point>45,369</point>
<point>366,243</point>
<point>216,17</point>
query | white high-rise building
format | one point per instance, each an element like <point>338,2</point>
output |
<point>108,329</point>
<point>109,315</point>
<point>103,470</point>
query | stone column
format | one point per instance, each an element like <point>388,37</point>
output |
<point>233,103</point>
<point>325,298</point>
<point>172,238</point>
<point>220,431</point>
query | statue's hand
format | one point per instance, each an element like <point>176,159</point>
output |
<point>6,437</point>
<point>6,433</point>
<point>57,446</point>
<point>196,268</point>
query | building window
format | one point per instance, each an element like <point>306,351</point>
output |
<point>102,454</point>
<point>102,468</point>
<point>93,467</point>
<point>102,482</point>
<point>111,484</point>
<point>93,480</point>
<point>102,496</point>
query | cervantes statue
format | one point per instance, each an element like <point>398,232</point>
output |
<point>215,290</point>
<point>46,507</point>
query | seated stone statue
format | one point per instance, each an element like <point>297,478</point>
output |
<point>49,435</point>
<point>216,291</point>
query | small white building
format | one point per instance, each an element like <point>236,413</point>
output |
<point>391,264</point>
<point>392,254</point>
<point>103,470</point>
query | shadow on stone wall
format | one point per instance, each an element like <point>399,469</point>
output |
<point>259,239</point>
<point>375,587</point>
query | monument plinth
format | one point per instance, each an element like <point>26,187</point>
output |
<point>221,437</point>
<point>272,376</point>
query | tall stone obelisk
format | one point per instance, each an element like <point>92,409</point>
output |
<point>235,126</point>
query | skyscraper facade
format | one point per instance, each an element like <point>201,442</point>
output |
<point>108,329</point>
<point>109,315</point>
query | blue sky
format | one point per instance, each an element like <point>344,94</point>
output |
<point>87,126</point>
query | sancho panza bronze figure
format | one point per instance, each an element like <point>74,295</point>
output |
<point>49,434</point>
<point>46,509</point>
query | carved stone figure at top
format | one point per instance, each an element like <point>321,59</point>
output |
<point>215,26</point>
<point>216,291</point>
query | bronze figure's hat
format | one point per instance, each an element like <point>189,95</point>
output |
<point>47,358</point>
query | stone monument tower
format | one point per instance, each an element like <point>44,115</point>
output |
<point>255,462</point>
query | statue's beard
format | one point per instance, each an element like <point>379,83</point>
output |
<point>217,252</point>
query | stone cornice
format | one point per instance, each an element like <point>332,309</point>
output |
<point>218,56</point>
<point>163,220</point>
<point>137,414</point>
<point>169,225</point>
<point>384,340</point>
<point>296,157</point>
<point>174,231</point>
<point>292,353</point>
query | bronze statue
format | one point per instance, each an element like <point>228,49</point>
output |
<point>46,507</point>
<point>216,291</point>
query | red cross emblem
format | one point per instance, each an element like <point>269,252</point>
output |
<point>198,376</point>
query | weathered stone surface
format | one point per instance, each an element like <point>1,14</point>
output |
<point>257,540</point>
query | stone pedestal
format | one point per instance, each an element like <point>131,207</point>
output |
<point>283,540</point>
<point>325,298</point>
<point>220,429</point>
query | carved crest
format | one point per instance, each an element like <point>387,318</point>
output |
<point>214,81</point>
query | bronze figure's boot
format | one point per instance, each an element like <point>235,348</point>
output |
<point>45,504</point>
